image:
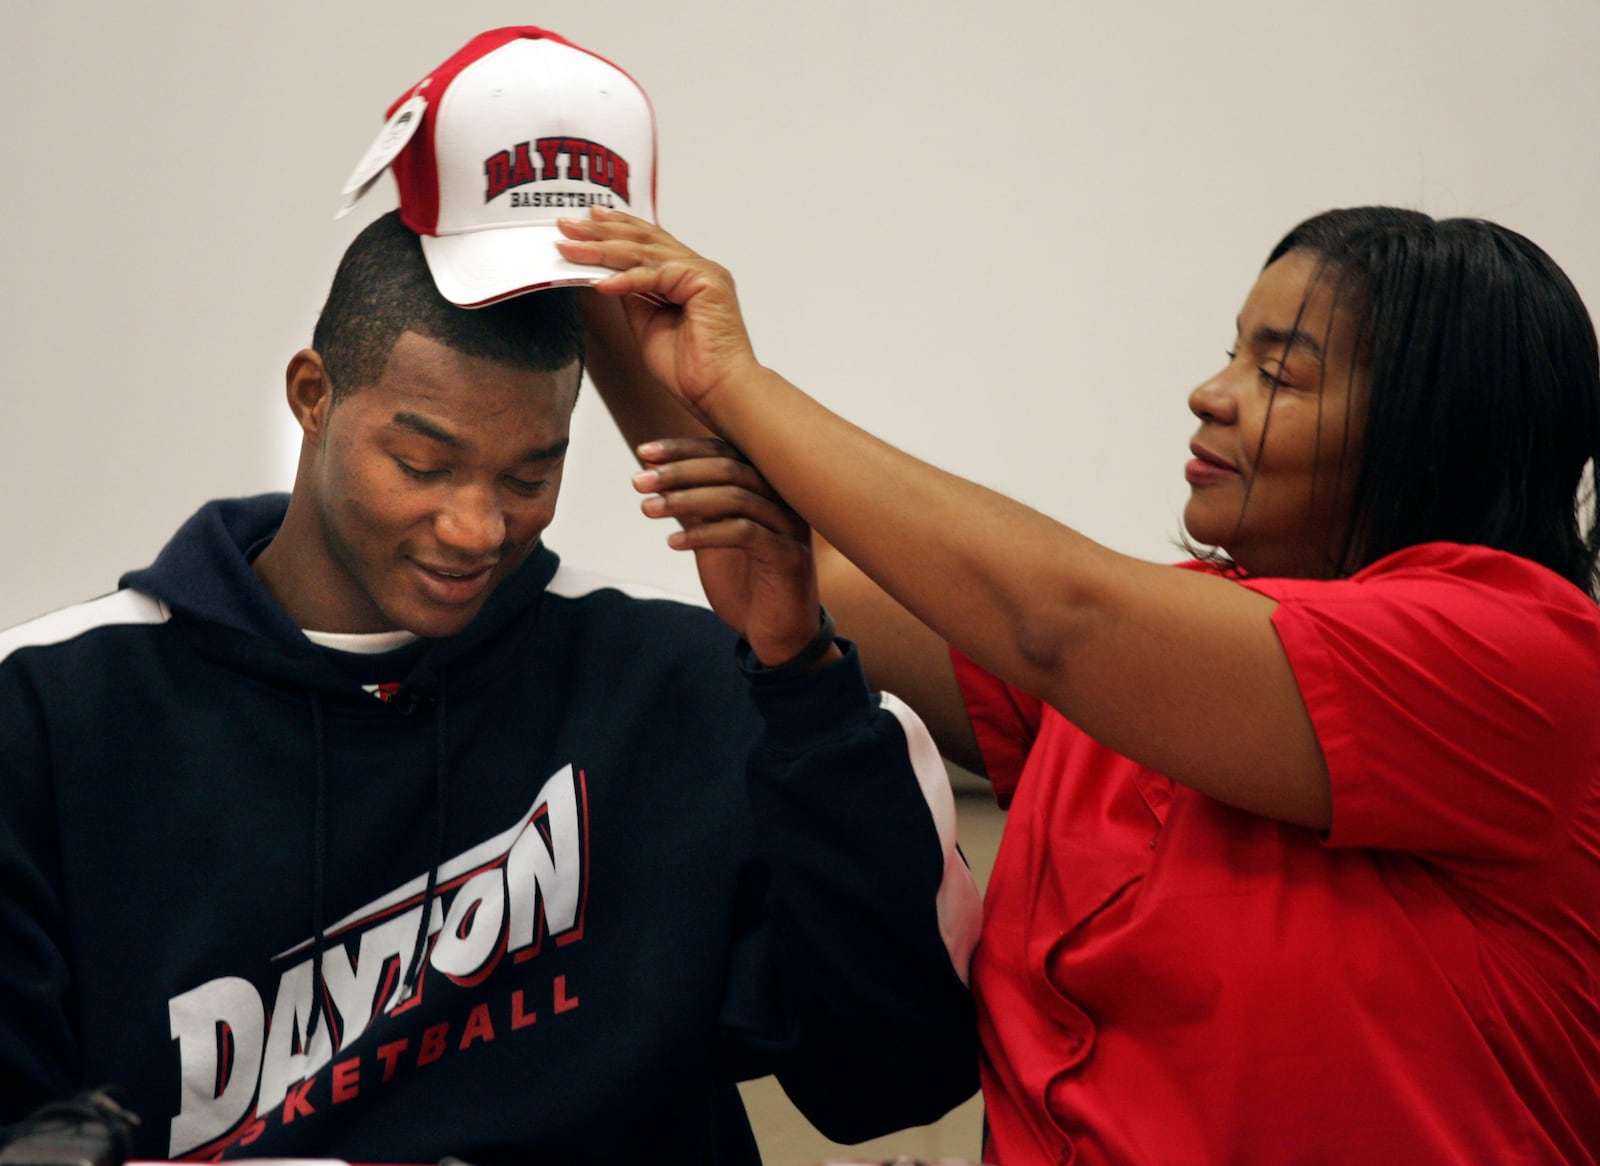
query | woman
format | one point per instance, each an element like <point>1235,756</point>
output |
<point>1303,853</point>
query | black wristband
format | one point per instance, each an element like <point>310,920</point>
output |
<point>797,665</point>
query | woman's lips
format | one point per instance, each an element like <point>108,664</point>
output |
<point>1206,468</point>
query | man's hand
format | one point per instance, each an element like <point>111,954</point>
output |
<point>752,551</point>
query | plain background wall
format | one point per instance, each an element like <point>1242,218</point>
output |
<point>1007,237</point>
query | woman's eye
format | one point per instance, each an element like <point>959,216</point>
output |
<point>1272,378</point>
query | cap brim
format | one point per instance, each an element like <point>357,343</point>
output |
<point>476,268</point>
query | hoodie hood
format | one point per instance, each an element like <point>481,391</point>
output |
<point>204,576</point>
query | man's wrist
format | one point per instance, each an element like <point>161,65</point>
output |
<point>802,663</point>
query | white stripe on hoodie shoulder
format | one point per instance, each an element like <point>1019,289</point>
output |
<point>575,583</point>
<point>959,902</point>
<point>56,627</point>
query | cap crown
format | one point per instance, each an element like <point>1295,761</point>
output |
<point>517,129</point>
<point>523,126</point>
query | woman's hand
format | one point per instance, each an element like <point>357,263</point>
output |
<point>752,551</point>
<point>682,307</point>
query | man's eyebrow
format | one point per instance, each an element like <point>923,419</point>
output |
<point>425,428</point>
<point>546,453</point>
<point>417,424</point>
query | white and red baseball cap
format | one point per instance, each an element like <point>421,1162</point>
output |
<point>517,129</point>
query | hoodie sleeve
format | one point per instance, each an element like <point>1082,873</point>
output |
<point>870,915</point>
<point>37,1047</point>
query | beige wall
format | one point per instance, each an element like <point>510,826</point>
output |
<point>1009,237</point>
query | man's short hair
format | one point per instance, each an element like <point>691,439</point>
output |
<point>383,288</point>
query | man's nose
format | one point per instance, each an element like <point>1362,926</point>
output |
<point>472,522</point>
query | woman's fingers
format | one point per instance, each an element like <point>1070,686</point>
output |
<point>608,222</point>
<point>605,225</point>
<point>618,240</point>
<point>633,247</point>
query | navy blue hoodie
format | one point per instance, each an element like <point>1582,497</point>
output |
<point>643,878</point>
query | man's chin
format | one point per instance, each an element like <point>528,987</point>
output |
<point>435,621</point>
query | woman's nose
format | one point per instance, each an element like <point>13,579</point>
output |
<point>1214,400</point>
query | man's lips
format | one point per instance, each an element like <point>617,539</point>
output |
<point>450,584</point>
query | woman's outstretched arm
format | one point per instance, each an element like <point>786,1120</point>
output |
<point>1179,670</point>
<point>900,654</point>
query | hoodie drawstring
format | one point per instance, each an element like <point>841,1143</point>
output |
<point>423,687</point>
<point>441,802</point>
<point>319,864</point>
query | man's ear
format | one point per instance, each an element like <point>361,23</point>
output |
<point>310,392</point>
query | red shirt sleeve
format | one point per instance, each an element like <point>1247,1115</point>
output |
<point>1005,719</point>
<point>1456,694</point>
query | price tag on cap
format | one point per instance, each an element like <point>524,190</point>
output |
<point>391,139</point>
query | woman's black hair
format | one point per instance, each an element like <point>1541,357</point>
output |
<point>1483,421</point>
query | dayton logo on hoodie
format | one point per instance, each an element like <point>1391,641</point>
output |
<point>246,1063</point>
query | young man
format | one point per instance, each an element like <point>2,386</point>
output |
<point>356,825</point>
